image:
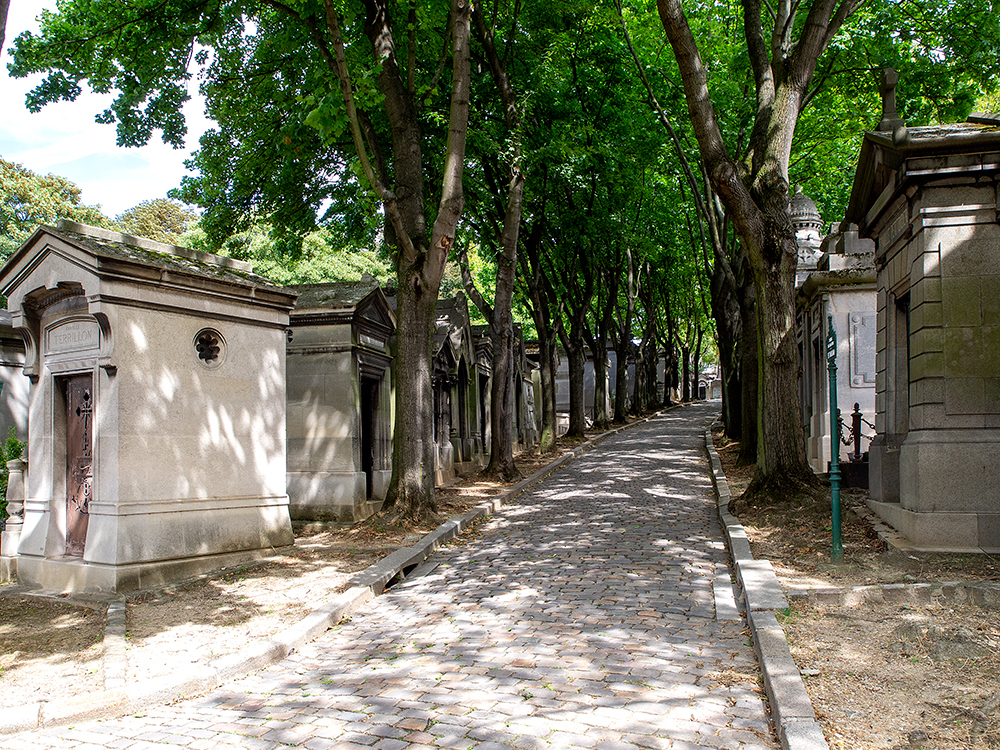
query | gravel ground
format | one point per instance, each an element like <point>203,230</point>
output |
<point>52,647</point>
<point>909,667</point>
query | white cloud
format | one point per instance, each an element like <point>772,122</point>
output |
<point>64,139</point>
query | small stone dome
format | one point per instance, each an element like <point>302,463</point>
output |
<point>804,213</point>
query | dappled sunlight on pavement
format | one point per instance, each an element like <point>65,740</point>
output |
<point>582,615</point>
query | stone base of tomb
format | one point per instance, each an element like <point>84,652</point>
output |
<point>9,539</point>
<point>334,496</point>
<point>75,575</point>
<point>939,532</point>
<point>949,489</point>
<point>8,569</point>
<point>883,471</point>
<point>150,544</point>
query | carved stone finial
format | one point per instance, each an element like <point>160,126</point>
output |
<point>890,120</point>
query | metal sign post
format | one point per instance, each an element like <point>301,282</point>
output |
<point>837,551</point>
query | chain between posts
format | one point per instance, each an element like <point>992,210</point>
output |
<point>837,550</point>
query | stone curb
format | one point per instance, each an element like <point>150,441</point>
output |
<point>120,698</point>
<point>982,595</point>
<point>760,592</point>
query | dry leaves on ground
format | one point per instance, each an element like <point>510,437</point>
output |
<point>53,648</point>
<point>902,675</point>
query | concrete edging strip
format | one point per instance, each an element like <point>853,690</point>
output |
<point>363,587</point>
<point>791,710</point>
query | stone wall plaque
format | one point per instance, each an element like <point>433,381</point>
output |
<point>73,336</point>
<point>862,335</point>
<point>893,229</point>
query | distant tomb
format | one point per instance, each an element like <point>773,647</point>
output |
<point>157,414</point>
<point>841,288</point>
<point>455,383</point>
<point>339,401</point>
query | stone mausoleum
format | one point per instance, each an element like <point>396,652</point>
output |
<point>157,411</point>
<point>339,401</point>
<point>840,288</point>
<point>930,199</point>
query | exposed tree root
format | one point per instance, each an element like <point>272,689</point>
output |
<point>501,474</point>
<point>801,487</point>
<point>401,515</point>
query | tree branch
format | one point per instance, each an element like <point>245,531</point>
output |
<point>452,196</point>
<point>470,285</point>
<point>387,197</point>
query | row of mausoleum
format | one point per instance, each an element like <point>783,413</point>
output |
<point>183,410</point>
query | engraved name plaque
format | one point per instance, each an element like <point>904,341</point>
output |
<point>73,336</point>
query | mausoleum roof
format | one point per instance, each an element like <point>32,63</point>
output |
<point>335,294</point>
<point>971,147</point>
<point>117,246</point>
<point>803,210</point>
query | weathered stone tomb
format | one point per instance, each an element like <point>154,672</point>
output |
<point>455,382</point>
<point>157,415</point>
<point>339,401</point>
<point>841,288</point>
<point>930,199</point>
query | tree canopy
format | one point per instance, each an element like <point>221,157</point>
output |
<point>28,199</point>
<point>159,219</point>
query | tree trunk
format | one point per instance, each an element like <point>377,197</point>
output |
<point>420,260</point>
<point>749,376</point>
<point>623,351</point>
<point>546,361</point>
<point>780,441</point>
<point>756,196</point>
<point>599,349</point>
<point>654,402</point>
<point>412,484</point>
<point>732,395</point>
<point>726,332</point>
<point>532,274</point>
<point>4,4</point>
<point>501,463</point>
<point>577,356</point>
<point>640,401</point>
<point>601,417</point>
<point>623,342</point>
<point>499,316</point>
<point>686,374</point>
<point>696,363</point>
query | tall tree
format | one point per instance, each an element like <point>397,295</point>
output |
<point>784,51</point>
<point>537,301</point>
<point>792,55</point>
<point>420,259</point>
<point>314,99</point>
<point>730,283</point>
<point>28,200</point>
<point>160,219</point>
<point>505,220</point>
<point>4,6</point>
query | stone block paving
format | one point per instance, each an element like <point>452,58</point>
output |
<point>581,616</point>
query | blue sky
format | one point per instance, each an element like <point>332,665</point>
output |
<point>64,139</point>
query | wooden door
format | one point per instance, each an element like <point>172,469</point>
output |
<point>79,460</point>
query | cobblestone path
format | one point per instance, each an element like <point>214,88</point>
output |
<point>581,616</point>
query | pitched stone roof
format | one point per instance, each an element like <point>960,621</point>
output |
<point>104,243</point>
<point>336,294</point>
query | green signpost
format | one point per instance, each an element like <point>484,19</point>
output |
<point>837,551</point>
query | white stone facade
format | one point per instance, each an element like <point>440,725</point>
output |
<point>841,286</point>
<point>178,359</point>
